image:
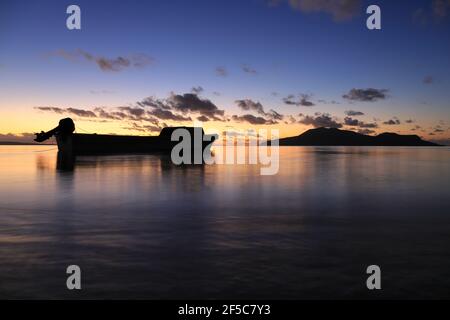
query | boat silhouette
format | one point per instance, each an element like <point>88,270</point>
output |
<point>72,144</point>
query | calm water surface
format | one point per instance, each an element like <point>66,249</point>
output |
<point>141,228</point>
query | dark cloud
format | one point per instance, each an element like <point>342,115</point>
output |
<point>136,112</point>
<point>197,90</point>
<point>340,10</point>
<point>253,119</point>
<point>221,71</point>
<point>82,113</point>
<point>351,122</point>
<point>367,125</point>
<point>440,8</point>
<point>303,100</point>
<point>428,80</point>
<point>153,103</point>
<point>353,113</point>
<point>190,102</point>
<point>409,121</point>
<point>107,64</point>
<point>348,121</point>
<point>168,115</point>
<point>322,120</point>
<point>272,114</point>
<point>248,69</point>
<point>203,119</point>
<point>250,105</point>
<point>392,122</point>
<point>366,95</point>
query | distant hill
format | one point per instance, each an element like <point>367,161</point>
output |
<point>336,137</point>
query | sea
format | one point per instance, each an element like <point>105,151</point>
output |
<point>140,227</point>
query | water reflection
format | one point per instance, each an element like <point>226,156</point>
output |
<point>141,227</point>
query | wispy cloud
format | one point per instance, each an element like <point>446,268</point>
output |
<point>303,100</point>
<point>247,69</point>
<point>221,71</point>
<point>107,64</point>
<point>428,79</point>
<point>340,10</point>
<point>392,122</point>
<point>197,89</point>
<point>255,120</point>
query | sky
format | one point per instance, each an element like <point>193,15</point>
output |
<point>292,65</point>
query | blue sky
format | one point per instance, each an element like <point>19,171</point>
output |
<point>292,48</point>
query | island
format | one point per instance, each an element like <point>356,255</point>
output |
<point>336,137</point>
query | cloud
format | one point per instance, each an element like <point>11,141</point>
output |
<point>351,122</point>
<point>437,12</point>
<point>82,113</point>
<point>248,69</point>
<point>250,105</point>
<point>392,122</point>
<point>22,137</point>
<point>190,102</point>
<point>366,95</point>
<point>197,90</point>
<point>272,114</point>
<point>440,8</point>
<point>348,121</point>
<point>202,118</point>
<point>304,100</point>
<point>253,119</point>
<point>428,80</point>
<point>168,115</point>
<point>51,109</point>
<point>136,112</point>
<point>221,71</point>
<point>74,111</point>
<point>107,64</point>
<point>153,103</point>
<point>353,113</point>
<point>322,120</point>
<point>340,10</point>
<point>409,121</point>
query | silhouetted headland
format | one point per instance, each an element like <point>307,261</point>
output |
<point>335,137</point>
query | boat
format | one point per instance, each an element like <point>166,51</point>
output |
<point>73,144</point>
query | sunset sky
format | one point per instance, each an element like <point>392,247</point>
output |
<point>137,66</point>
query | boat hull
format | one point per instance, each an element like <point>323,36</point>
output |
<point>98,144</point>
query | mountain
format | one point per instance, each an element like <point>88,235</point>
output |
<point>335,137</point>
